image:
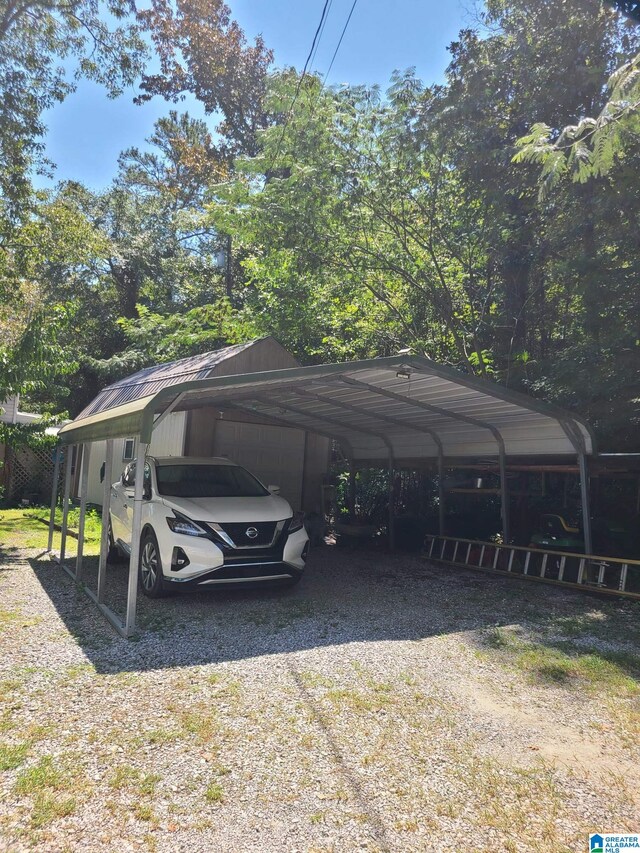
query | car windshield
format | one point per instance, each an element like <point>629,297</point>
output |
<point>207,481</point>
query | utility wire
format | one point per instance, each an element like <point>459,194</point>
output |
<point>314,44</point>
<point>335,52</point>
<point>326,18</point>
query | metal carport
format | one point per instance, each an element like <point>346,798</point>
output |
<point>390,411</point>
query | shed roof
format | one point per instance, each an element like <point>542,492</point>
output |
<point>406,406</point>
<point>150,380</point>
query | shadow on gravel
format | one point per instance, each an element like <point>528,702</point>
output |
<point>10,559</point>
<point>345,597</point>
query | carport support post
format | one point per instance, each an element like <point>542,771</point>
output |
<point>441,494</point>
<point>65,500</point>
<point>54,496</point>
<point>392,537</point>
<point>351,495</point>
<point>84,486</point>
<point>504,495</point>
<point>136,528</point>
<point>106,505</point>
<point>577,439</point>
<point>586,508</point>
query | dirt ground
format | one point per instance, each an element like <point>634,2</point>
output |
<point>385,704</point>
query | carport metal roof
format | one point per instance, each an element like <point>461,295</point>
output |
<point>406,407</point>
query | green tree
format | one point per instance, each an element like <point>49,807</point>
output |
<point>153,249</point>
<point>204,51</point>
<point>372,223</point>
<point>37,39</point>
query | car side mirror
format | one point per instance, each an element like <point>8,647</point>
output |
<point>275,490</point>
<point>146,492</point>
<point>123,479</point>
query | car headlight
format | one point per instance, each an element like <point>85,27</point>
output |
<point>183,525</point>
<point>297,522</point>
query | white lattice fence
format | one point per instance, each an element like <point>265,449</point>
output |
<point>29,474</point>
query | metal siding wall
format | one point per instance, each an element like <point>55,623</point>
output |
<point>168,439</point>
<point>94,459</point>
<point>275,455</point>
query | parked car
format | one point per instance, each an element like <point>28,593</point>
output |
<point>207,522</point>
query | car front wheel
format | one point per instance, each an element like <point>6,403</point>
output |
<point>150,567</point>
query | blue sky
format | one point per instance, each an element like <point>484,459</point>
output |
<point>88,131</point>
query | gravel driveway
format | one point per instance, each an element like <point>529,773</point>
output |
<point>385,704</point>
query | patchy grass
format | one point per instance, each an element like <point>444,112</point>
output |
<point>7,618</point>
<point>160,735</point>
<point>127,777</point>
<point>9,686</point>
<point>575,665</point>
<point>47,783</point>
<point>12,756</point>
<point>11,619</point>
<point>77,670</point>
<point>200,721</point>
<point>47,808</point>
<point>41,776</point>
<point>564,662</point>
<point>214,793</point>
<point>315,679</point>
<point>143,811</point>
<point>358,700</point>
<point>24,528</point>
<point>39,731</point>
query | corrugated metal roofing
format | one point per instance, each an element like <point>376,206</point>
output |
<point>406,407</point>
<point>150,380</point>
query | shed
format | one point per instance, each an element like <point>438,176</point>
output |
<point>292,458</point>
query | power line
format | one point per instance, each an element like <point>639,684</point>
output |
<point>314,44</point>
<point>344,30</point>
<point>335,53</point>
<point>326,18</point>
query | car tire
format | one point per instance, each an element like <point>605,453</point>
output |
<point>114,555</point>
<point>150,576</point>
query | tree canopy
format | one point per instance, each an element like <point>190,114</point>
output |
<point>346,221</point>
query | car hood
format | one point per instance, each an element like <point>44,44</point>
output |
<point>266,508</point>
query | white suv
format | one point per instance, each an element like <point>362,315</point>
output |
<point>207,521</point>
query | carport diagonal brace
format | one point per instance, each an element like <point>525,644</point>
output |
<point>345,425</point>
<point>396,422</point>
<point>244,405</point>
<point>429,407</point>
<point>280,404</point>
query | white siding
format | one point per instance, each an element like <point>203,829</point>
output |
<point>168,440</point>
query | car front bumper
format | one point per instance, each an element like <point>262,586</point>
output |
<point>210,564</point>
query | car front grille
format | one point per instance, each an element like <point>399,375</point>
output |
<point>239,532</point>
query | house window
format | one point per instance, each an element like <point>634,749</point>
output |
<point>129,449</point>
